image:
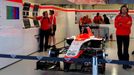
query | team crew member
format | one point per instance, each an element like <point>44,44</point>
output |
<point>123,23</point>
<point>106,19</point>
<point>44,30</point>
<point>80,25</point>
<point>85,21</point>
<point>98,19</point>
<point>52,38</point>
<point>88,20</point>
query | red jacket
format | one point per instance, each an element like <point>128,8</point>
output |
<point>53,19</point>
<point>45,23</point>
<point>123,24</point>
<point>97,20</point>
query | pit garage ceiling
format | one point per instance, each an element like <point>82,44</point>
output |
<point>53,2</point>
<point>81,1</point>
<point>88,1</point>
<point>70,1</point>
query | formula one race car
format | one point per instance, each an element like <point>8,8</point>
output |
<point>85,46</point>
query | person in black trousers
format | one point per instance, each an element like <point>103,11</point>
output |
<point>44,30</point>
<point>123,23</point>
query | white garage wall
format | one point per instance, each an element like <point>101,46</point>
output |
<point>13,38</point>
<point>61,25</point>
<point>73,29</point>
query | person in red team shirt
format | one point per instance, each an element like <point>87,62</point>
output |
<point>98,19</point>
<point>44,30</point>
<point>123,23</point>
<point>88,20</point>
<point>52,38</point>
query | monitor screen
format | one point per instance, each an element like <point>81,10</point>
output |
<point>12,12</point>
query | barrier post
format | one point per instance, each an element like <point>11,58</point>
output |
<point>94,65</point>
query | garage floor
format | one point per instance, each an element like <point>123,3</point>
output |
<point>27,67</point>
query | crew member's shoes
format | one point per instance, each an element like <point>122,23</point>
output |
<point>54,46</point>
<point>48,46</point>
<point>133,52</point>
<point>40,51</point>
<point>126,66</point>
<point>129,66</point>
<point>45,50</point>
